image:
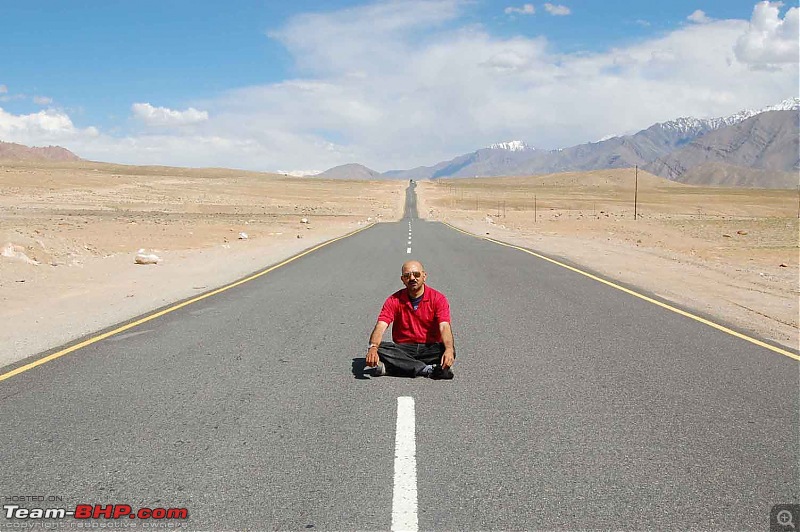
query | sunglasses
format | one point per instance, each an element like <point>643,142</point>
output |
<point>408,275</point>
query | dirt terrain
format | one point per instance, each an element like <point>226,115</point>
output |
<point>70,233</point>
<point>727,253</point>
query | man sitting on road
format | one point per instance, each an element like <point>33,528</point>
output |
<point>423,339</point>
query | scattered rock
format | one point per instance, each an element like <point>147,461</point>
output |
<point>303,220</point>
<point>783,265</point>
<point>299,236</point>
<point>726,236</point>
<point>243,236</point>
<point>741,232</point>
<point>142,257</point>
<point>13,251</point>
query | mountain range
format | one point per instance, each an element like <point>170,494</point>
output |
<point>750,148</point>
<point>760,149</point>
<point>17,152</point>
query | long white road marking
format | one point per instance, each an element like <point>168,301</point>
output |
<point>404,501</point>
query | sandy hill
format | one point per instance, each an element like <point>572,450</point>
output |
<point>18,152</point>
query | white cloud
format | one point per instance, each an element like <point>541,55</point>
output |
<point>526,9</point>
<point>45,127</point>
<point>557,10</point>
<point>164,117</point>
<point>699,17</point>
<point>391,87</point>
<point>5,96</point>
<point>643,23</point>
<point>42,100</point>
<point>770,41</point>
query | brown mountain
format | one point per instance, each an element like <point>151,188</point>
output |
<point>17,152</point>
<point>761,152</point>
<point>351,171</point>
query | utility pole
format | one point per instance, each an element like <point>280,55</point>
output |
<point>635,192</point>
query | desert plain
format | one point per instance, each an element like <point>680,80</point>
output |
<point>70,233</point>
<point>727,254</point>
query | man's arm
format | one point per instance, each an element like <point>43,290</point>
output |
<point>375,339</point>
<point>449,346</point>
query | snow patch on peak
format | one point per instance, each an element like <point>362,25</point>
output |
<point>695,125</point>
<point>514,145</point>
<point>789,104</point>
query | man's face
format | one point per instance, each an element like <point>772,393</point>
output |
<point>413,276</point>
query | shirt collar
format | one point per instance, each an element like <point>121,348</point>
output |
<point>424,295</point>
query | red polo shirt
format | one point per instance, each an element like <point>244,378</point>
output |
<point>419,326</point>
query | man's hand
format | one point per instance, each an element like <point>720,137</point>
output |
<point>448,357</point>
<point>375,339</point>
<point>372,357</point>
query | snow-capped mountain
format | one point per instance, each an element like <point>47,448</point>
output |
<point>758,151</point>
<point>514,145</point>
<point>623,151</point>
<point>691,125</point>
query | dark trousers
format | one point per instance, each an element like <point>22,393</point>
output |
<point>407,360</point>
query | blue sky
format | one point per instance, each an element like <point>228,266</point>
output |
<point>304,85</point>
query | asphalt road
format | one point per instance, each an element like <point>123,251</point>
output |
<point>575,405</point>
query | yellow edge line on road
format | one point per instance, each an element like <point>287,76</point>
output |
<point>640,296</point>
<point>158,314</point>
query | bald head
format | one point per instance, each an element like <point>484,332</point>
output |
<point>412,265</point>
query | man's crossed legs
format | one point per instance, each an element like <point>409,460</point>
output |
<point>412,360</point>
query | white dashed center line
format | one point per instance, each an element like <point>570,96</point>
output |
<point>404,500</point>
